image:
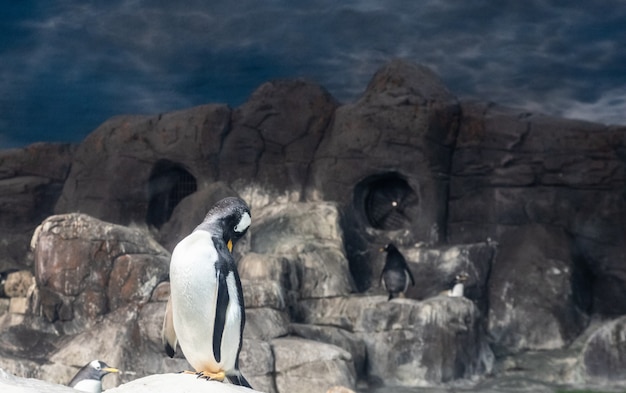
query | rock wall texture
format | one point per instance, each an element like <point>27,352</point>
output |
<point>530,208</point>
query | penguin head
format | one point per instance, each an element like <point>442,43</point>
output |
<point>89,377</point>
<point>394,258</point>
<point>389,247</point>
<point>461,277</point>
<point>232,217</point>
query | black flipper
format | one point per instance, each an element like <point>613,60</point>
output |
<point>410,274</point>
<point>220,314</point>
<point>169,350</point>
<point>168,335</point>
<point>239,380</point>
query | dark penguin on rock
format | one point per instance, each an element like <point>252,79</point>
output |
<point>205,311</point>
<point>396,274</point>
<point>89,377</point>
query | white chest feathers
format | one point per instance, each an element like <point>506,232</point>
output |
<point>89,385</point>
<point>457,290</point>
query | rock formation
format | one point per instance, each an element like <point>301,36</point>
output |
<point>31,181</point>
<point>530,207</point>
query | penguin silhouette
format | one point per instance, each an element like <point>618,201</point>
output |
<point>396,274</point>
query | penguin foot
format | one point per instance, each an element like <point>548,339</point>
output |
<point>209,376</point>
<point>187,372</point>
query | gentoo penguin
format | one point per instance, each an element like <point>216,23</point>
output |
<point>205,311</point>
<point>459,286</point>
<point>396,274</point>
<point>89,377</point>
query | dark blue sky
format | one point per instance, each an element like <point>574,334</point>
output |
<point>68,65</point>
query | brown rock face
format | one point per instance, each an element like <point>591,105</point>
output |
<point>275,135</point>
<point>137,168</point>
<point>537,260</point>
<point>512,169</point>
<point>602,359</point>
<point>85,268</point>
<point>31,180</point>
<point>398,137</point>
<point>406,163</point>
<point>386,158</point>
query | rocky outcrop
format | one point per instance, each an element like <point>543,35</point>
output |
<point>602,358</point>
<point>309,366</point>
<point>99,292</point>
<point>536,259</point>
<point>31,180</point>
<point>410,343</point>
<point>512,168</point>
<point>385,158</point>
<point>309,237</point>
<point>152,384</point>
<point>124,170</point>
<point>436,268</point>
<point>85,268</point>
<point>529,207</point>
<point>274,136</point>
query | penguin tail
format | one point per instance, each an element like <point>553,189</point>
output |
<point>169,350</point>
<point>168,335</point>
<point>390,296</point>
<point>239,379</point>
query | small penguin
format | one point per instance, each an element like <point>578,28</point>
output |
<point>89,377</point>
<point>205,313</point>
<point>459,287</point>
<point>396,274</point>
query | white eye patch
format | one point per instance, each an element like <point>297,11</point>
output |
<point>244,223</point>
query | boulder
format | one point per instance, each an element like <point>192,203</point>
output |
<point>85,267</point>
<point>341,338</point>
<point>309,236</point>
<point>4,305</point>
<point>306,366</point>
<point>257,294</point>
<point>151,384</point>
<point>18,284</point>
<point>602,359</point>
<point>265,324</point>
<point>150,323</point>
<point>26,342</point>
<point>410,343</point>
<point>535,282</point>
<point>256,362</point>
<point>177,382</point>
<point>274,269</point>
<point>124,339</point>
<point>11,383</point>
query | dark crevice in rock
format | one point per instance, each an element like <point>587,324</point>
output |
<point>168,184</point>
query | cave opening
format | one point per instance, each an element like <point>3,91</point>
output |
<point>168,184</point>
<point>387,201</point>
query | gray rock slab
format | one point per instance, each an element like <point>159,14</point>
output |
<point>306,366</point>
